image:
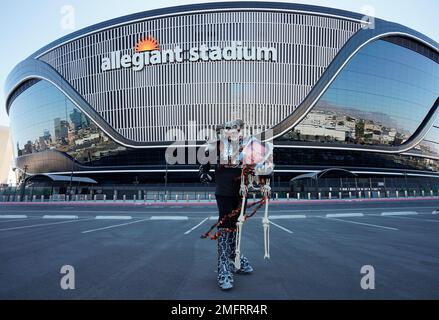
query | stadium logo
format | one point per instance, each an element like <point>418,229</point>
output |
<point>147,44</point>
<point>148,52</point>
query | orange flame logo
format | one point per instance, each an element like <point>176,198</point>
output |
<point>147,44</point>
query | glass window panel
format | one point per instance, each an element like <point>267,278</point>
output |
<point>46,120</point>
<point>380,98</point>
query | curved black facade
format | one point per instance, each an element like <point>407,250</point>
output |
<point>335,92</point>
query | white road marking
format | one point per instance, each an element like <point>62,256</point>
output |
<point>415,219</point>
<point>285,217</point>
<point>59,217</point>
<point>113,217</point>
<point>13,216</point>
<point>43,224</point>
<point>282,228</point>
<point>361,223</point>
<point>16,220</point>
<point>115,212</point>
<point>213,218</point>
<point>115,226</point>
<point>273,209</point>
<point>192,229</point>
<point>176,218</point>
<point>406,213</point>
<point>435,212</point>
<point>344,215</point>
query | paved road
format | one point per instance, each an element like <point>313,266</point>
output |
<point>154,252</point>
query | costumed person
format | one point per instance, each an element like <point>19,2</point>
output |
<point>229,154</point>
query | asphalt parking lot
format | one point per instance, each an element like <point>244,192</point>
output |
<point>155,252</point>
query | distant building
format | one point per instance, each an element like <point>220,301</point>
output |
<point>6,156</point>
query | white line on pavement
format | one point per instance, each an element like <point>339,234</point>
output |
<point>406,213</point>
<point>176,218</point>
<point>415,219</point>
<point>361,223</point>
<point>435,212</point>
<point>282,228</point>
<point>12,216</point>
<point>17,220</point>
<point>192,229</point>
<point>274,209</point>
<point>59,217</point>
<point>43,224</point>
<point>113,217</point>
<point>284,217</point>
<point>115,226</point>
<point>213,218</point>
<point>344,215</point>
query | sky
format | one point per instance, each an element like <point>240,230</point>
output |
<point>28,25</point>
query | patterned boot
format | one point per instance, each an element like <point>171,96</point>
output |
<point>225,275</point>
<point>246,268</point>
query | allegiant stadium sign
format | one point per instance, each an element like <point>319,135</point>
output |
<point>148,53</point>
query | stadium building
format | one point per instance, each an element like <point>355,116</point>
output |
<point>341,94</point>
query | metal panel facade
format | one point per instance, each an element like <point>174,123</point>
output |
<point>182,99</point>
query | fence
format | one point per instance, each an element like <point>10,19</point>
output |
<point>133,194</point>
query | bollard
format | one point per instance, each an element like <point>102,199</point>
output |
<point>145,197</point>
<point>309,195</point>
<point>359,194</point>
<point>254,196</point>
<point>277,196</point>
<point>288,196</point>
<point>210,197</point>
<point>26,198</point>
<point>34,198</point>
<point>379,194</point>
<point>298,196</point>
<point>166,197</point>
<point>414,193</point>
<point>187,197</point>
<point>18,198</point>
<point>94,198</point>
<point>369,194</point>
<point>176,198</point>
<point>388,194</point>
<point>155,197</point>
<point>42,198</point>
<point>124,197</point>
<point>340,195</point>
<point>105,198</point>
<point>406,193</point>
<point>134,198</point>
<point>319,195</point>
<point>397,193</point>
<point>198,197</point>
<point>330,196</point>
<point>350,194</point>
<point>423,193</point>
<point>431,193</point>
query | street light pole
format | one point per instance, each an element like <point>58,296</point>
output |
<point>23,189</point>
<point>166,178</point>
<point>71,175</point>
